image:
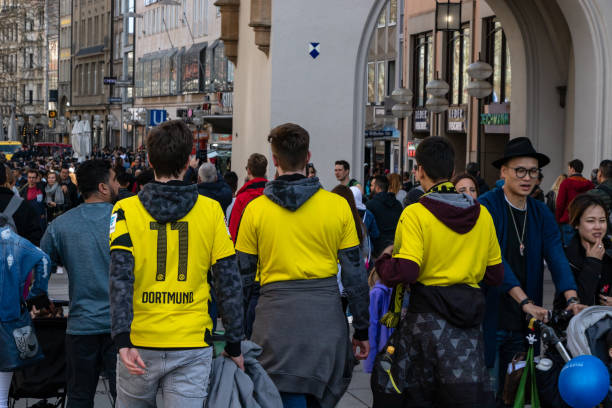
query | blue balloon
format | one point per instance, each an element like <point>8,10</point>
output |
<point>584,382</point>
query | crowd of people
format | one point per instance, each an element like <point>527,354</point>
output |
<point>435,271</point>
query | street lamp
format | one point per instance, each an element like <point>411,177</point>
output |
<point>448,16</point>
<point>401,110</point>
<point>479,88</point>
<point>437,102</point>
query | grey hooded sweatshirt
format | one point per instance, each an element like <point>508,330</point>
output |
<point>299,323</point>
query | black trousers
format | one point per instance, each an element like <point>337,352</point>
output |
<point>86,357</point>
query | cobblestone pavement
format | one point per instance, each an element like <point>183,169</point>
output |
<point>357,396</point>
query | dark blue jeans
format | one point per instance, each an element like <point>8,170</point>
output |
<point>87,357</point>
<point>291,400</point>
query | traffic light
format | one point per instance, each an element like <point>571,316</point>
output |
<point>36,131</point>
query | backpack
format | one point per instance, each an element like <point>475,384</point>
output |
<point>6,216</point>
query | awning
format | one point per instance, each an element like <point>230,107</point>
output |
<point>195,49</point>
<point>96,49</point>
<point>220,123</point>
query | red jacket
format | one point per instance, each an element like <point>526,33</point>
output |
<point>568,190</point>
<point>251,190</point>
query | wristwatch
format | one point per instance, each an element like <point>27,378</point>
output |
<point>524,302</point>
<point>572,300</point>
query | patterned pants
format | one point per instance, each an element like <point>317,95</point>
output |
<point>435,364</point>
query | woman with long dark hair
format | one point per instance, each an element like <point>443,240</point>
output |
<point>346,192</point>
<point>589,252</point>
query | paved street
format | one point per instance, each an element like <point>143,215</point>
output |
<point>358,395</point>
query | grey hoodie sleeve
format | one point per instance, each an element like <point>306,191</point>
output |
<point>355,282</point>
<point>228,288</point>
<point>121,296</point>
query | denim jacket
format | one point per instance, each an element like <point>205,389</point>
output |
<point>17,258</point>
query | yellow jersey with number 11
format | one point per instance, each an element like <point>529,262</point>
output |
<point>171,264</point>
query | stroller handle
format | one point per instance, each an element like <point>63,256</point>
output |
<point>548,334</point>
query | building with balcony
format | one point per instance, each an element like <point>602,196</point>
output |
<point>181,68</point>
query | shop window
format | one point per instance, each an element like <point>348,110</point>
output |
<point>423,65</point>
<point>458,59</point>
<point>498,55</point>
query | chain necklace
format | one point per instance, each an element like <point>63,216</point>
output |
<point>520,237</point>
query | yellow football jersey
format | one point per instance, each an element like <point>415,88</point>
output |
<point>294,245</point>
<point>171,264</point>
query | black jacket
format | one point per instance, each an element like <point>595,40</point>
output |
<point>219,191</point>
<point>73,193</point>
<point>26,218</point>
<point>593,277</point>
<point>387,211</point>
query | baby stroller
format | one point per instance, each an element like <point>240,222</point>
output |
<point>585,334</point>
<point>46,379</point>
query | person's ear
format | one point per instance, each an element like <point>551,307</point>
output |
<point>275,160</point>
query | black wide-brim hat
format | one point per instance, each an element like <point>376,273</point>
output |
<point>521,147</point>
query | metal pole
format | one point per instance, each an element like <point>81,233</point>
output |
<point>124,66</point>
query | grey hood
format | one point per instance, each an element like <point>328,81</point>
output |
<point>168,202</point>
<point>292,194</point>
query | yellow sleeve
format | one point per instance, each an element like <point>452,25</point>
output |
<point>246,241</point>
<point>119,234</point>
<point>408,242</point>
<point>494,257</point>
<point>349,237</point>
<point>222,244</point>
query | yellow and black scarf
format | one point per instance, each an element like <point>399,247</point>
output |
<point>392,317</point>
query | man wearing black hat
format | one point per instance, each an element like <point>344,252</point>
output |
<point>528,235</point>
<point>25,217</point>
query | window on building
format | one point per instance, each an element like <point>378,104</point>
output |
<point>382,19</point>
<point>390,77</point>
<point>392,12</point>
<point>371,79</point>
<point>423,66</point>
<point>380,75</point>
<point>96,32</point>
<point>30,97</point>
<point>31,64</point>
<point>498,55</point>
<point>458,59</point>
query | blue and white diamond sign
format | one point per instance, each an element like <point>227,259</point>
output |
<point>314,49</point>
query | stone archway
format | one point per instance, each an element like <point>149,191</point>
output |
<point>559,53</point>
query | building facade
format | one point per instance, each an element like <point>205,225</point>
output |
<point>23,66</point>
<point>382,136</point>
<point>96,32</point>
<point>181,68</point>
<point>560,89</point>
<point>480,33</point>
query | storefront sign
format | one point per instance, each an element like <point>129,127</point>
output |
<point>496,118</point>
<point>457,119</point>
<point>378,133</point>
<point>421,120</point>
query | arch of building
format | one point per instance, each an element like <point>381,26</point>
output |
<point>552,44</point>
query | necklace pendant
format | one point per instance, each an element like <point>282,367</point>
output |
<point>522,249</point>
